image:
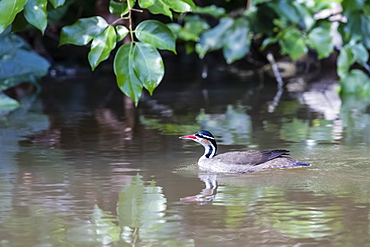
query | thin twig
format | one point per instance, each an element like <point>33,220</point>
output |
<point>275,70</point>
<point>138,10</point>
<point>279,80</point>
<point>130,20</point>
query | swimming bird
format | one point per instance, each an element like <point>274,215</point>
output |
<point>240,161</point>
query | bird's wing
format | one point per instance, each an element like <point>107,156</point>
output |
<point>249,157</point>
<point>272,154</point>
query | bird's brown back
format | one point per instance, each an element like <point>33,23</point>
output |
<point>251,158</point>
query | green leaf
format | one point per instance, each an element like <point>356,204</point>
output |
<point>306,16</point>
<point>101,47</point>
<point>17,63</point>
<point>352,6</point>
<point>211,10</point>
<point>189,2</point>
<point>122,32</point>
<point>156,7</point>
<point>7,104</point>
<point>22,66</point>
<point>148,65</point>
<point>320,39</point>
<point>237,40</point>
<point>127,79</point>
<point>193,27</point>
<point>365,30</point>
<point>156,34</point>
<point>175,29</point>
<point>83,31</point>
<point>9,9</point>
<point>350,54</point>
<point>10,44</point>
<point>268,41</point>
<point>36,14</point>
<point>57,13</point>
<point>344,61</point>
<point>293,43</point>
<point>355,82</point>
<point>286,9</point>
<point>57,3</point>
<point>293,12</point>
<point>180,5</point>
<point>212,39</point>
<point>360,53</point>
<point>120,7</point>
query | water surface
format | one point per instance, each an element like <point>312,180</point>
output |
<point>80,169</point>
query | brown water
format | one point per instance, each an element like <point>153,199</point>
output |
<point>78,169</point>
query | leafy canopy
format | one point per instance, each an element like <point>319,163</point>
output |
<point>138,64</point>
<point>292,25</point>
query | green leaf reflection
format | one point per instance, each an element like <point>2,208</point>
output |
<point>141,208</point>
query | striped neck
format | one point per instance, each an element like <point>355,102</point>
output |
<point>210,150</point>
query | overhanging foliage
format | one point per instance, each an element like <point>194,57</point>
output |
<point>295,26</point>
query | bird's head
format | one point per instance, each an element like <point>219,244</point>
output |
<point>203,137</point>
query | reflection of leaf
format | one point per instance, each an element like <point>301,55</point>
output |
<point>106,229</point>
<point>288,107</point>
<point>298,130</point>
<point>355,82</point>
<point>356,125</point>
<point>317,224</point>
<point>322,130</point>
<point>297,220</point>
<point>295,130</point>
<point>234,124</point>
<point>141,206</point>
<point>168,128</point>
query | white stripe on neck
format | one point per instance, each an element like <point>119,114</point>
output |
<point>210,150</point>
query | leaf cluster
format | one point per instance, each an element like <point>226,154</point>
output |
<point>355,33</point>
<point>295,26</point>
<point>137,64</point>
<point>35,12</point>
<point>18,63</point>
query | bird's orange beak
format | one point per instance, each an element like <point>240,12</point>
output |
<point>193,137</point>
